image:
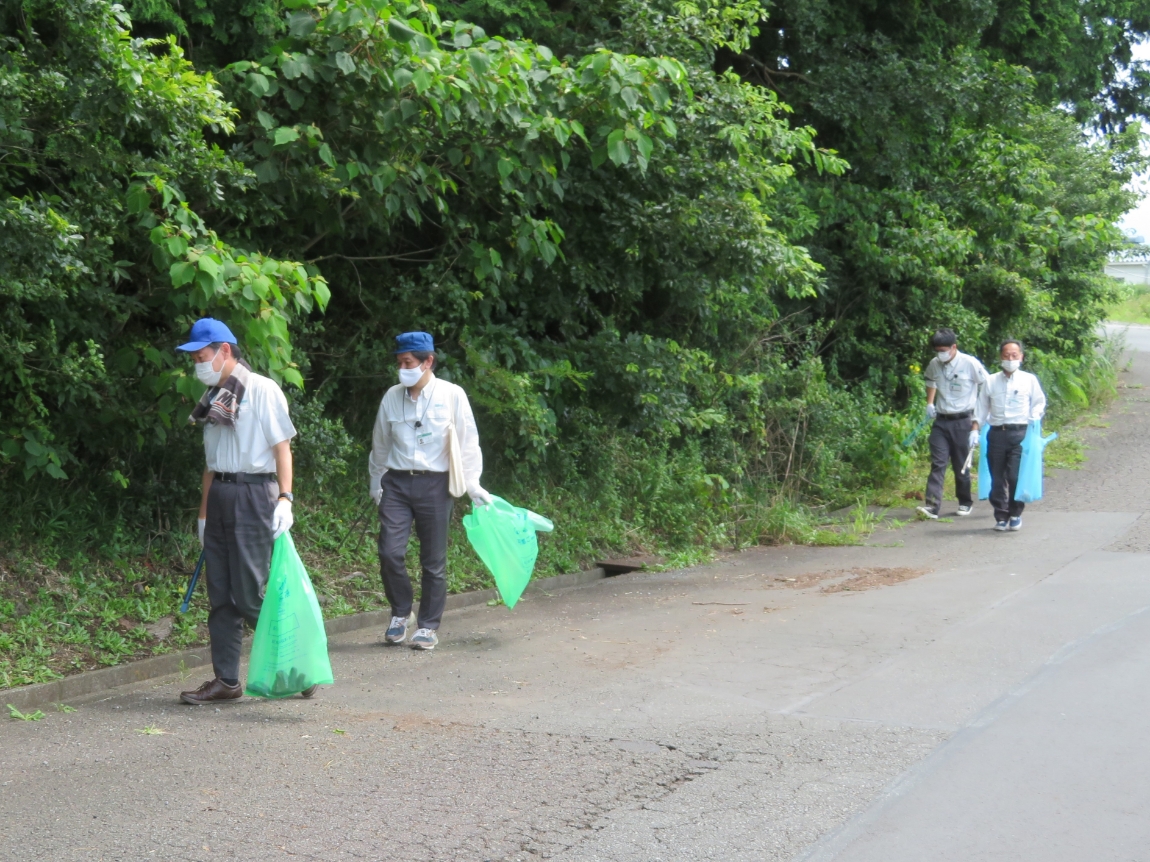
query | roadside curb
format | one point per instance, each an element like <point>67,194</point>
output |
<point>27,697</point>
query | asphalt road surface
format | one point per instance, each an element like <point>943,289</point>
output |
<point>944,693</point>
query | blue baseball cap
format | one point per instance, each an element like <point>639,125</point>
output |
<point>205,331</point>
<point>410,342</point>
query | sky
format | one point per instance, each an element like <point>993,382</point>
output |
<point>1138,219</point>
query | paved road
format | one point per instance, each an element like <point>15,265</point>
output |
<point>984,699</point>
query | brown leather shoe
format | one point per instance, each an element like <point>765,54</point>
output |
<point>211,691</point>
<point>309,691</point>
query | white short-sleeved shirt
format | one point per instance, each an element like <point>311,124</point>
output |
<point>262,421</point>
<point>957,382</point>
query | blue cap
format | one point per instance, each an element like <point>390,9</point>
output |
<point>421,342</point>
<point>205,331</point>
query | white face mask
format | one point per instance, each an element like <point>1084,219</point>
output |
<point>944,356</point>
<point>410,376</point>
<point>1010,365</point>
<point>207,374</point>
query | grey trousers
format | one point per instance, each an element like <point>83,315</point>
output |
<point>238,555</point>
<point>949,444</point>
<point>424,500</point>
<point>1004,456</point>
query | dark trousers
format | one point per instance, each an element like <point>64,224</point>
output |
<point>1003,455</point>
<point>238,555</point>
<point>423,500</point>
<point>949,444</point>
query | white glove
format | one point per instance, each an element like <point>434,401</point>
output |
<point>377,495</point>
<point>282,518</point>
<point>478,496</point>
<point>201,523</point>
<point>974,439</point>
<point>931,411</point>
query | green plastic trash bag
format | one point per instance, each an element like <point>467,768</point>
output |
<point>289,650</point>
<point>504,537</point>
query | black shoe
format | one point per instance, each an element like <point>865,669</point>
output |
<point>309,691</point>
<point>211,691</point>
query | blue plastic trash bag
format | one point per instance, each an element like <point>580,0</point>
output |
<point>1030,470</point>
<point>289,650</point>
<point>983,465</point>
<point>504,537</point>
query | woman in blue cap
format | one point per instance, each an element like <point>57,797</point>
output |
<point>246,502</point>
<point>409,472</point>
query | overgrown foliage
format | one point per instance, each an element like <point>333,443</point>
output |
<point>684,256</point>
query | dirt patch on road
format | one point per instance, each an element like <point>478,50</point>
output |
<point>869,579</point>
<point>847,580</point>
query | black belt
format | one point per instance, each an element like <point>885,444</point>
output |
<point>246,478</point>
<point>1022,427</point>
<point>967,415</point>
<point>420,472</point>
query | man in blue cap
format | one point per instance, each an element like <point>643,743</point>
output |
<point>409,469</point>
<point>246,502</point>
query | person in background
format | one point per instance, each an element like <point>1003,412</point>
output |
<point>953,382</point>
<point>408,470</point>
<point>246,498</point>
<point>1009,403</point>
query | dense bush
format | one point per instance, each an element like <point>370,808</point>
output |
<point>685,261</point>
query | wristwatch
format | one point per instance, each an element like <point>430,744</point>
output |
<point>286,495</point>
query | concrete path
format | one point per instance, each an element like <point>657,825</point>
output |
<point>943,693</point>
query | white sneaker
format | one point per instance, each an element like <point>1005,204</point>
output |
<point>928,512</point>
<point>424,639</point>
<point>965,510</point>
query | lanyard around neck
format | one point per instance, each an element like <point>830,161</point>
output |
<point>418,422</point>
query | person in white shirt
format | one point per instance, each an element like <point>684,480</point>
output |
<point>953,382</point>
<point>409,481</point>
<point>1009,403</point>
<point>246,498</point>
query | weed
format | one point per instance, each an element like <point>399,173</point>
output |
<point>63,707</point>
<point>13,712</point>
<point>151,730</point>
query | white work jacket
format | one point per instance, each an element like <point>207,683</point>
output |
<point>397,444</point>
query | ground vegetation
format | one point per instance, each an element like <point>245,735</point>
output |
<point>684,256</point>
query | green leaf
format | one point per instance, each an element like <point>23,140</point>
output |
<point>285,135</point>
<point>207,264</point>
<point>505,168</point>
<point>325,154</point>
<point>344,62</point>
<point>139,198</point>
<point>55,472</point>
<point>181,273</point>
<point>617,149</point>
<point>177,246</point>
<point>422,80</point>
<point>645,146</point>
<point>479,62</point>
<point>257,84</point>
<point>399,30</point>
<point>266,120</point>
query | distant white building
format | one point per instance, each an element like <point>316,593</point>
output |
<point>1131,266</point>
